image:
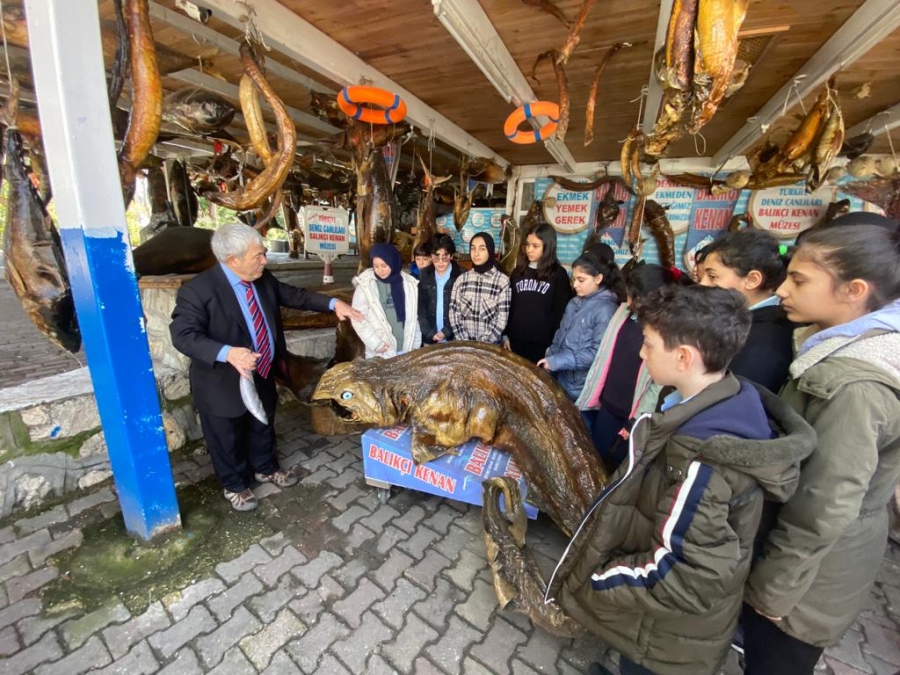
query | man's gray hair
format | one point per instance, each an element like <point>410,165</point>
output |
<point>234,239</point>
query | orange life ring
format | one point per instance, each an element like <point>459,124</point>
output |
<point>350,102</point>
<point>527,112</point>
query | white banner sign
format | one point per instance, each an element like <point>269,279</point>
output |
<point>325,230</point>
<point>786,211</point>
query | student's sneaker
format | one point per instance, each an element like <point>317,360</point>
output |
<point>244,500</point>
<point>281,478</point>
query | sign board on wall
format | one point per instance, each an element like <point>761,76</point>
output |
<point>325,230</point>
<point>786,211</point>
<point>567,212</point>
<point>479,220</point>
<point>708,216</point>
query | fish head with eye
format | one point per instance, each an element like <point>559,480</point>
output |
<point>355,400</point>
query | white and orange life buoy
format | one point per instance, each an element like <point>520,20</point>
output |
<point>527,112</point>
<point>351,101</point>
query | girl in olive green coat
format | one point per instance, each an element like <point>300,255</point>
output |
<point>823,553</point>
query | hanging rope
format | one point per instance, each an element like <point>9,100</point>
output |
<point>645,92</point>
<point>794,88</point>
<point>251,30</point>
<point>431,144</point>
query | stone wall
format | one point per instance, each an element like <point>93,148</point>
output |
<point>51,441</point>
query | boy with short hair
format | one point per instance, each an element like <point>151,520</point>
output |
<point>421,259</point>
<point>657,568</point>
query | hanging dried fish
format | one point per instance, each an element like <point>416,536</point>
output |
<point>658,223</point>
<point>511,243</point>
<point>633,236</point>
<point>374,204</point>
<point>122,61</point>
<point>35,266</point>
<point>251,108</point>
<point>579,186</point>
<point>486,170</point>
<point>549,8</point>
<point>426,225</point>
<point>199,111</point>
<point>592,98</point>
<point>562,84</point>
<point>716,47</point>
<point>630,160</point>
<point>462,204</point>
<point>827,148</point>
<point>607,212</point>
<point>146,107</point>
<point>575,34</point>
<point>679,50</point>
<point>272,177</point>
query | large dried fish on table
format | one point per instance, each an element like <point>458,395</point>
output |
<point>451,393</point>
<point>272,177</point>
<point>146,107</point>
<point>35,266</point>
<point>716,48</point>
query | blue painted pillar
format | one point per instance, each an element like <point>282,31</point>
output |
<point>67,61</point>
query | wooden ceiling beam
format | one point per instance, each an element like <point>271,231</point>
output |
<point>654,89</point>
<point>470,26</point>
<point>215,85</point>
<point>871,23</point>
<point>300,40</point>
<point>207,35</point>
<point>879,123</point>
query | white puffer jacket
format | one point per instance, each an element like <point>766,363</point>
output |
<point>376,330</point>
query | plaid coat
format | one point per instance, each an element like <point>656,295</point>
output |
<point>479,306</point>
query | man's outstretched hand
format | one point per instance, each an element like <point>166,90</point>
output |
<point>345,311</point>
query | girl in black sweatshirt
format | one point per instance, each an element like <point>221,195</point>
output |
<point>540,292</point>
<point>750,262</point>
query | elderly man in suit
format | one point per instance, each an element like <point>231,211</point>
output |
<point>227,320</point>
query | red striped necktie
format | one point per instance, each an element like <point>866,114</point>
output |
<point>263,344</point>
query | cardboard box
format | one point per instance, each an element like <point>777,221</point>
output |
<point>387,460</point>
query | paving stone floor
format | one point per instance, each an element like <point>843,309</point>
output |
<point>347,584</point>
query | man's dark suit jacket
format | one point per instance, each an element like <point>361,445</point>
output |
<point>207,316</point>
